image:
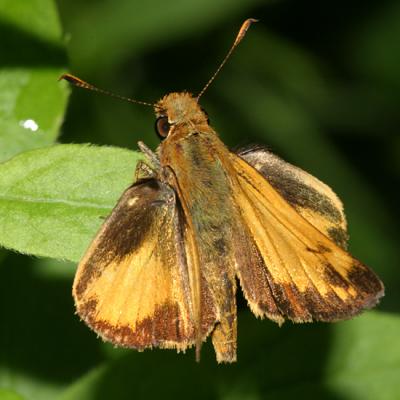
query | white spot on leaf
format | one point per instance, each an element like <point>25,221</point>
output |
<point>29,124</point>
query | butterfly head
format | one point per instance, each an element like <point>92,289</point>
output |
<point>176,110</point>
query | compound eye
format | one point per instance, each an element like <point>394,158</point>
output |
<point>162,127</point>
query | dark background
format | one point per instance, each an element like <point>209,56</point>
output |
<point>318,83</point>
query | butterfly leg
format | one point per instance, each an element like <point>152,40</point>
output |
<point>150,155</point>
<point>144,171</point>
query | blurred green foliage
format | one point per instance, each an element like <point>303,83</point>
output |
<point>319,83</point>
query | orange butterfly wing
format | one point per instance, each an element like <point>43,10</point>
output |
<point>133,286</point>
<point>309,276</point>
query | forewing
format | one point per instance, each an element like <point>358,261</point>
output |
<point>311,198</point>
<point>310,277</point>
<point>132,287</point>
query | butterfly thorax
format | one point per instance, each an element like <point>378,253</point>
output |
<point>193,151</point>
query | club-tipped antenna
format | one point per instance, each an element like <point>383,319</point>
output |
<point>85,85</point>
<point>242,32</point>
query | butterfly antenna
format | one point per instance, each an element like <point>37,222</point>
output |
<point>242,32</point>
<point>73,80</point>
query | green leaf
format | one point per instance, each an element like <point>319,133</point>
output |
<point>346,360</point>
<point>53,200</point>
<point>32,102</point>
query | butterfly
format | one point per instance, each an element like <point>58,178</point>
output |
<point>199,218</point>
